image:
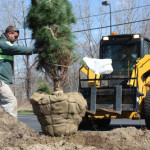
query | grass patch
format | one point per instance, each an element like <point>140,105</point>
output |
<point>25,112</point>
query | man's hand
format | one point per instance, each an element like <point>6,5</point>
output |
<point>42,49</point>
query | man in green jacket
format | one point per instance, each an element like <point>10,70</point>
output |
<point>7,99</point>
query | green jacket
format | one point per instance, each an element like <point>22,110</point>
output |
<point>7,50</point>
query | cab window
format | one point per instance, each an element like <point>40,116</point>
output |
<point>146,47</point>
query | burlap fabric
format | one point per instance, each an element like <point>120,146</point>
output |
<point>59,114</point>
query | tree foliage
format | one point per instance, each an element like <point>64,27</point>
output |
<point>50,22</point>
<point>43,87</point>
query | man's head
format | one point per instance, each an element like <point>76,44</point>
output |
<point>12,33</point>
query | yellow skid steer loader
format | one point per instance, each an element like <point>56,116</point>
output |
<point>124,93</point>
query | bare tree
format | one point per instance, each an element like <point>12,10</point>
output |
<point>130,12</point>
<point>87,43</point>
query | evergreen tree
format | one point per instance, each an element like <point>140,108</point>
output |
<point>50,22</point>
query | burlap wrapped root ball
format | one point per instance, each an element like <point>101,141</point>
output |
<point>59,114</point>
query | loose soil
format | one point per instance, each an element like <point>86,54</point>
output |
<point>15,135</point>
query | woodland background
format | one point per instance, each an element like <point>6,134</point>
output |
<point>92,22</point>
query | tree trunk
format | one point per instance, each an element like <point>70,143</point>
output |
<point>57,85</point>
<point>28,79</point>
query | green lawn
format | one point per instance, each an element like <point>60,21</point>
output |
<point>25,112</point>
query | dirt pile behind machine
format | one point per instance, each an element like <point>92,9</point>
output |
<point>125,93</point>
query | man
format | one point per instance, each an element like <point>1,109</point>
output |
<point>7,99</point>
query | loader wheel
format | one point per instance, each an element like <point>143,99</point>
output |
<point>86,124</point>
<point>147,109</point>
<point>103,123</point>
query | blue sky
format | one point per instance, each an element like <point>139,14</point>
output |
<point>97,8</point>
<point>95,5</point>
<point>116,5</point>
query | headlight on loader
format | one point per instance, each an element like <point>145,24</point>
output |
<point>105,38</point>
<point>136,36</point>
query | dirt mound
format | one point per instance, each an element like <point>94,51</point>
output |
<point>14,132</point>
<point>15,135</point>
<point>120,139</point>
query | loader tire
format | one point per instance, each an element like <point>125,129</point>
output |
<point>147,109</point>
<point>103,123</point>
<point>86,124</point>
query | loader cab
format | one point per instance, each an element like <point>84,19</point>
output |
<point>124,50</point>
